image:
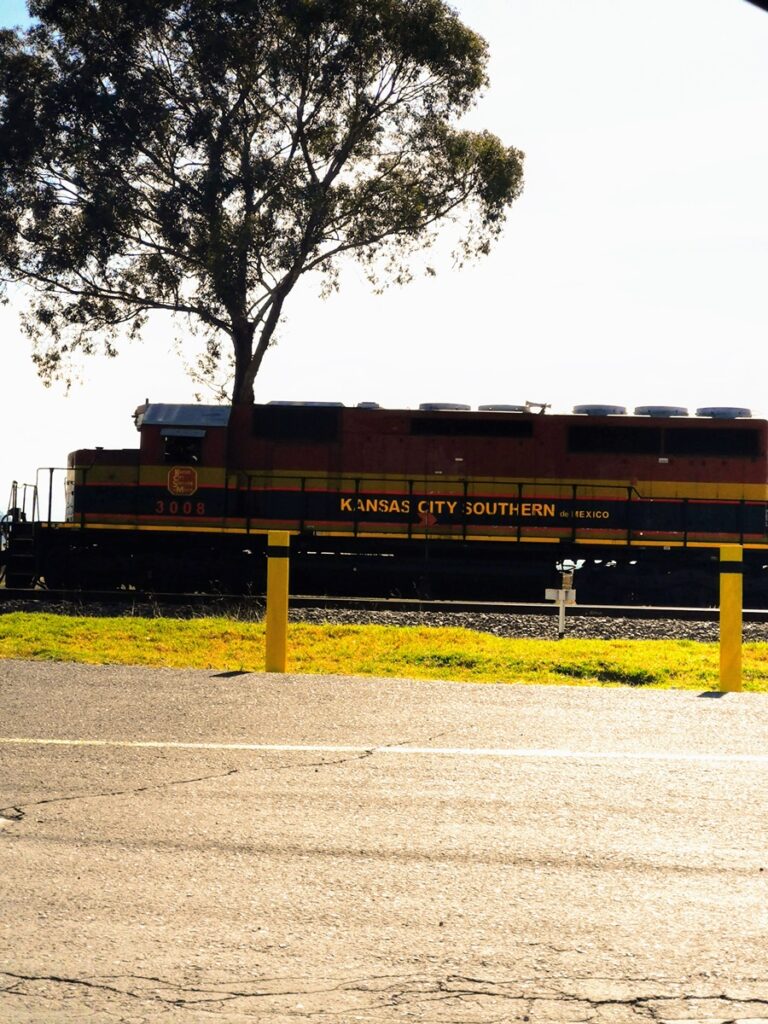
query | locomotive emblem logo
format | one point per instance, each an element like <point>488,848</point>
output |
<point>182,481</point>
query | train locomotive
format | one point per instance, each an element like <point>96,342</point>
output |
<point>439,501</point>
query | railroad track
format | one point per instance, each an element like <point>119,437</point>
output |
<point>220,602</point>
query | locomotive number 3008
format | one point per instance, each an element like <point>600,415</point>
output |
<point>176,508</point>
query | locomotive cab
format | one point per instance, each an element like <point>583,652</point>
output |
<point>184,435</point>
<point>181,450</point>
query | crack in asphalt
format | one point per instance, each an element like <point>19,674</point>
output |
<point>63,980</point>
<point>391,992</point>
<point>17,812</point>
<point>211,996</point>
<point>363,755</point>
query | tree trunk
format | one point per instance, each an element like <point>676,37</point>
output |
<point>242,340</point>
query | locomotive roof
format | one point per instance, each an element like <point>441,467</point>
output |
<point>196,415</point>
<point>160,415</point>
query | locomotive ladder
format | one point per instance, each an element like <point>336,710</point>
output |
<point>19,536</point>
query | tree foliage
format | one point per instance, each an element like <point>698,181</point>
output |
<point>200,156</point>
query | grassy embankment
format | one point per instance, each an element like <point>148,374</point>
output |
<point>419,652</point>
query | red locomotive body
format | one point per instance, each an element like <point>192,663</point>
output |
<point>466,494</point>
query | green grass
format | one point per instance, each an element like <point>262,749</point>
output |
<point>419,652</point>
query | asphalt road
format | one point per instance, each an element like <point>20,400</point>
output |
<point>196,847</point>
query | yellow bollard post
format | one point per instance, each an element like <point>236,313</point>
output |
<point>278,551</point>
<point>731,601</point>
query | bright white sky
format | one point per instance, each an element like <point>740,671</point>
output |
<point>633,270</point>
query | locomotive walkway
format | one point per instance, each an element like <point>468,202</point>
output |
<point>192,846</point>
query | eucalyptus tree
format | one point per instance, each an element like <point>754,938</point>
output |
<point>202,156</point>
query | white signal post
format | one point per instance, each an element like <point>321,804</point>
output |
<point>562,596</point>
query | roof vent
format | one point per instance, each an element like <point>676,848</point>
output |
<point>503,408</point>
<point>661,411</point>
<point>600,410</point>
<point>725,412</point>
<point>368,405</point>
<point>444,407</point>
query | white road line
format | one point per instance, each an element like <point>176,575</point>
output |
<point>328,748</point>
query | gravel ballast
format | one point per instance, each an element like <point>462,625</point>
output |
<point>541,626</point>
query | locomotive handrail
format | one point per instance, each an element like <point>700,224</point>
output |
<point>50,471</point>
<point>686,524</point>
<point>18,512</point>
